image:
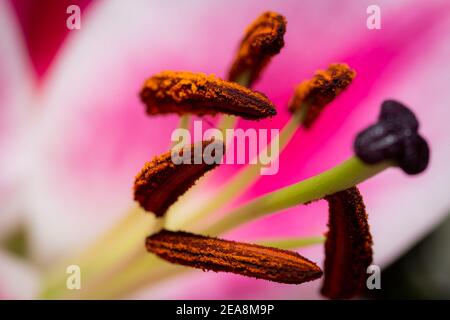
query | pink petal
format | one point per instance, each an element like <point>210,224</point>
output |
<point>95,135</point>
<point>44,25</point>
<point>16,85</point>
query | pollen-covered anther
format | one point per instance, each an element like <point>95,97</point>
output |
<point>348,248</point>
<point>394,138</point>
<point>201,94</point>
<point>163,180</point>
<point>263,39</point>
<point>311,96</point>
<point>219,255</point>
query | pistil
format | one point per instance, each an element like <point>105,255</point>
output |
<point>393,141</point>
<point>347,174</point>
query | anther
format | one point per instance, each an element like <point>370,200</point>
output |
<point>161,181</point>
<point>219,255</point>
<point>311,96</point>
<point>348,248</point>
<point>263,39</point>
<point>201,94</point>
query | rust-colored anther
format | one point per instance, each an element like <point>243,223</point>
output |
<point>228,256</point>
<point>161,181</point>
<point>263,39</point>
<point>348,248</point>
<point>201,94</point>
<point>323,88</point>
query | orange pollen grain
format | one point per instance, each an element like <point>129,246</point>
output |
<point>219,255</point>
<point>159,184</point>
<point>348,248</point>
<point>263,39</point>
<point>322,89</point>
<point>201,94</point>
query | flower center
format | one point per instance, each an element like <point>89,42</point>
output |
<point>392,141</point>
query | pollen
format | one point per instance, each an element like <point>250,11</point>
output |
<point>322,89</point>
<point>263,39</point>
<point>245,259</point>
<point>159,184</point>
<point>201,94</point>
<point>348,248</point>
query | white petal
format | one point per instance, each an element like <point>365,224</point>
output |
<point>18,280</point>
<point>16,85</point>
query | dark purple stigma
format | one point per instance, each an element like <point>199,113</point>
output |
<point>394,137</point>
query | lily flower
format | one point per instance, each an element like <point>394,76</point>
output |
<point>74,133</point>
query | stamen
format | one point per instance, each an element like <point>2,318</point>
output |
<point>376,147</point>
<point>201,94</point>
<point>311,96</point>
<point>240,182</point>
<point>348,248</point>
<point>228,256</point>
<point>263,39</point>
<point>394,137</point>
<point>161,182</point>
